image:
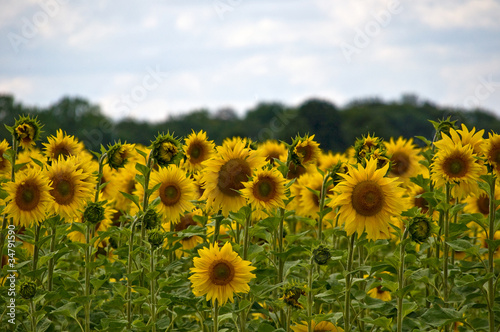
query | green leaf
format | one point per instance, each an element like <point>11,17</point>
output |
<point>437,316</point>
<point>459,245</point>
<point>144,170</point>
<point>70,309</point>
<point>133,198</point>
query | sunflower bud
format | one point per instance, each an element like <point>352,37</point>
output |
<point>26,131</point>
<point>321,255</point>
<point>27,289</point>
<point>369,147</point>
<point>420,228</point>
<point>151,219</point>
<point>119,154</point>
<point>444,126</point>
<point>94,213</point>
<point>166,150</point>
<point>304,150</point>
<point>155,238</point>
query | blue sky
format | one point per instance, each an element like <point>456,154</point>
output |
<point>157,58</point>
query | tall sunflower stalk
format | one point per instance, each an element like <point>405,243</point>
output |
<point>446,247</point>
<point>491,180</point>
<point>348,283</point>
<point>401,279</point>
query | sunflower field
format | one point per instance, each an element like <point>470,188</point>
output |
<point>186,235</point>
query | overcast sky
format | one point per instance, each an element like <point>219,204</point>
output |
<point>149,59</point>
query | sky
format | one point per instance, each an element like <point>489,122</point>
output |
<point>152,59</point>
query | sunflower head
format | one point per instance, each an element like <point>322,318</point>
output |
<point>27,289</point>
<point>420,228</point>
<point>156,238</point>
<point>166,150</point>
<point>94,212</point>
<point>304,150</point>
<point>26,130</point>
<point>321,255</point>
<point>119,154</point>
<point>151,219</point>
<point>4,163</point>
<point>292,294</point>
<point>491,150</point>
<point>197,149</point>
<point>443,126</point>
<point>62,146</point>
<point>369,147</point>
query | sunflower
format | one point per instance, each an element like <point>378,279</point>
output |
<point>62,145</point>
<point>110,190</point>
<point>307,150</point>
<point>26,131</point>
<point>329,160</point>
<point>188,242</point>
<point>367,200</point>
<point>69,190</point>
<point>468,137</point>
<point>266,190</point>
<point>176,192</point>
<point>5,167</point>
<point>197,149</point>
<point>272,150</point>
<point>219,273</point>
<point>404,159</point>
<point>307,202</point>
<point>380,293</point>
<point>454,163</point>
<point>28,198</point>
<point>31,158</point>
<point>491,150</point>
<point>323,326</point>
<point>225,174</point>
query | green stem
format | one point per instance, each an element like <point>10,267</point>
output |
<point>33,315</point>
<point>99,177</point>
<point>216,315</point>
<point>491,252</point>
<point>36,248</point>
<point>246,235</point>
<point>88,254</point>
<point>401,280</point>
<point>51,261</point>
<point>322,195</point>
<point>218,220</point>
<point>129,272</point>
<point>153,282</point>
<point>446,248</point>
<point>348,279</point>
<point>310,301</point>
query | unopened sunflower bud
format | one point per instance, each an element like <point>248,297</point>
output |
<point>94,213</point>
<point>151,219</point>
<point>119,154</point>
<point>444,126</point>
<point>420,229</point>
<point>321,255</point>
<point>291,296</point>
<point>155,238</point>
<point>166,150</point>
<point>27,289</point>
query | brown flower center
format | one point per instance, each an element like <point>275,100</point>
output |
<point>61,149</point>
<point>483,204</point>
<point>170,194</point>
<point>63,189</point>
<point>27,196</point>
<point>232,175</point>
<point>305,152</point>
<point>401,163</point>
<point>295,171</point>
<point>367,198</point>
<point>455,166</point>
<point>196,153</point>
<point>185,222</point>
<point>264,189</point>
<point>221,272</point>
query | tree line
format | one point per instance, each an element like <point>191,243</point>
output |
<point>336,128</point>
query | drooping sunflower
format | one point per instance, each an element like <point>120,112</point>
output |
<point>68,188</point>
<point>28,198</point>
<point>367,200</point>
<point>4,163</point>
<point>266,191</point>
<point>404,159</point>
<point>491,150</point>
<point>307,150</point>
<point>272,149</point>
<point>197,149</point>
<point>219,273</point>
<point>225,174</point>
<point>176,192</point>
<point>62,145</point>
<point>323,326</point>
<point>456,164</point>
